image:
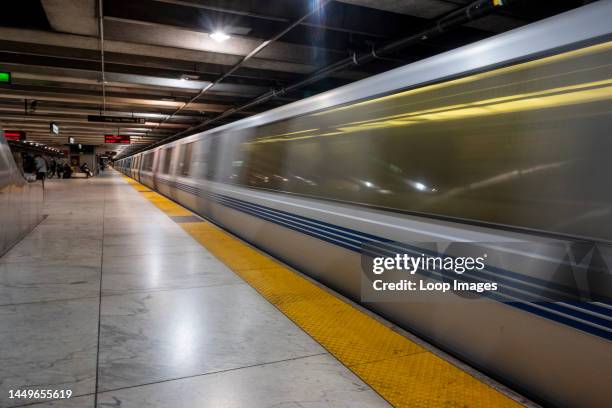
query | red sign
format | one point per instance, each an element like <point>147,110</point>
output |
<point>14,135</point>
<point>117,139</point>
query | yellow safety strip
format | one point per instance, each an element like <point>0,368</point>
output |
<point>401,371</point>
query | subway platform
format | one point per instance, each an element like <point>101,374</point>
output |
<point>126,299</point>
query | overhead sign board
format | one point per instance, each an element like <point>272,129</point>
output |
<point>5,77</point>
<point>15,135</point>
<point>114,119</point>
<point>54,128</point>
<point>117,139</point>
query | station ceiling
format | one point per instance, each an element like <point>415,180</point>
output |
<point>158,59</point>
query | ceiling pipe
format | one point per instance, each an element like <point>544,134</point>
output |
<point>101,29</point>
<point>456,18</point>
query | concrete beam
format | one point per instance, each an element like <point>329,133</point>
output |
<point>134,48</point>
<point>428,9</point>
<point>44,120</point>
<point>110,100</point>
<point>59,111</point>
<point>432,9</point>
<point>82,121</point>
<point>81,76</point>
<point>146,32</point>
<point>72,16</point>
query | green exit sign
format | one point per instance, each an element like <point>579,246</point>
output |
<point>5,77</point>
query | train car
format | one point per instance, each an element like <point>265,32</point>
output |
<point>504,140</point>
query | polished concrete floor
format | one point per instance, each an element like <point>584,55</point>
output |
<point>111,299</point>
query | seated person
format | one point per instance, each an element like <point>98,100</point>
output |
<point>85,169</point>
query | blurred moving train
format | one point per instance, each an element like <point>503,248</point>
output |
<point>504,140</point>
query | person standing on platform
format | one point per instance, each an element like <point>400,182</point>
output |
<point>41,168</point>
<point>52,168</point>
<point>28,164</point>
<point>59,168</point>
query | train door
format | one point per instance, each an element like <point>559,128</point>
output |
<point>156,161</point>
<point>137,167</point>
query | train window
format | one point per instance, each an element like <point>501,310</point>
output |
<point>200,154</point>
<point>148,162</point>
<point>212,154</point>
<point>186,157</point>
<point>167,160</point>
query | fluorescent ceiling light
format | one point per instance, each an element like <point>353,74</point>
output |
<point>219,36</point>
<point>188,77</point>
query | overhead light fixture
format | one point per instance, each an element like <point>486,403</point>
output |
<point>219,36</point>
<point>189,77</point>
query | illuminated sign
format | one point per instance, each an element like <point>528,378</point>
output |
<point>14,135</point>
<point>115,119</point>
<point>117,139</point>
<point>5,77</point>
<point>54,127</point>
